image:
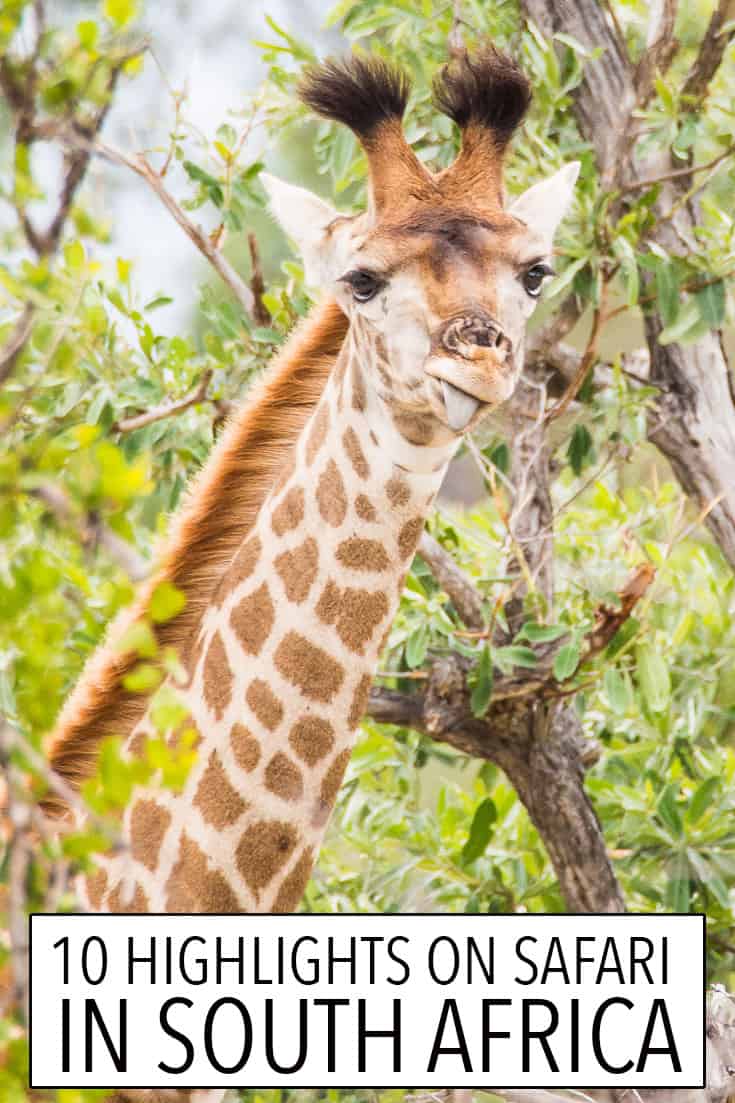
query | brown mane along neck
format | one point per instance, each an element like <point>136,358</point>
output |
<point>220,508</point>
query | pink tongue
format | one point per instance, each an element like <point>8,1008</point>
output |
<point>460,406</point>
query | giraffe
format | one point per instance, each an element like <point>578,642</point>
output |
<point>435,282</point>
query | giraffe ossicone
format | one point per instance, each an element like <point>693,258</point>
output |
<point>436,280</point>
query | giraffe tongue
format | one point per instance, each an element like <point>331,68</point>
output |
<point>460,406</point>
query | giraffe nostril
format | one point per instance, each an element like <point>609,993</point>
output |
<point>470,331</point>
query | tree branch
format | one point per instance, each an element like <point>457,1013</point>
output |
<point>466,598</point>
<point>711,51</point>
<point>141,167</point>
<point>166,409</point>
<point>16,342</point>
<point>660,49</point>
<point>257,283</point>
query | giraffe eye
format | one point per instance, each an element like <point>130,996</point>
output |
<point>534,277</point>
<point>363,285</point>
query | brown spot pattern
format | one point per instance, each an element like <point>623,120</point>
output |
<point>360,613</point>
<point>397,490</point>
<point>292,889</point>
<point>218,801</point>
<point>264,848</point>
<point>330,495</point>
<point>243,564</point>
<point>333,779</point>
<point>312,738</point>
<point>193,887</point>
<point>309,667</point>
<point>217,677</point>
<point>409,536</point>
<point>288,469</point>
<point>264,704</point>
<point>414,428</point>
<point>283,778</point>
<point>359,397</point>
<point>365,509</point>
<point>298,569</point>
<point>290,513</point>
<point>359,701</point>
<point>362,555</point>
<point>355,454</point>
<point>138,904</point>
<point>96,883</point>
<point>245,747</point>
<point>327,606</point>
<point>317,433</point>
<point>252,619</point>
<point>148,824</point>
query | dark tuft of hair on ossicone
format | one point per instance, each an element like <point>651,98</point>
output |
<point>485,87</point>
<point>360,91</point>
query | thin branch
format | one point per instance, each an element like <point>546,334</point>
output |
<point>455,39</point>
<point>16,342</point>
<point>465,596</point>
<point>257,284</point>
<point>585,363</point>
<point>141,167</point>
<point>660,49</point>
<point>165,409</point>
<point>675,174</point>
<point>711,51</point>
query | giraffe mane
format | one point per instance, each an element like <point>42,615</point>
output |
<point>220,508</point>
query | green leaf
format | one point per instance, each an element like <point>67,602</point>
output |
<point>143,678</point>
<point>416,646</point>
<point>667,292</point>
<point>159,301</point>
<point>541,633</point>
<point>88,32</point>
<point>566,661</point>
<point>481,830</point>
<point>668,810</point>
<point>702,799</point>
<point>618,690</point>
<point>515,655</point>
<point>677,888</point>
<point>688,316</point>
<point>653,677</point>
<point>120,12</point>
<point>562,281</point>
<point>711,303</point>
<point>482,683</point>
<point>628,268</point>
<point>166,602</point>
<point>579,448</point>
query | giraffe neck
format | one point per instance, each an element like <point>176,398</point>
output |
<point>281,671</point>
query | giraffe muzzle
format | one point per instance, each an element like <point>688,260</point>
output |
<point>473,361</point>
<point>474,336</point>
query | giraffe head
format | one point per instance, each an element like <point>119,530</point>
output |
<point>438,277</point>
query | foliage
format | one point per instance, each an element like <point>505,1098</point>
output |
<point>418,826</point>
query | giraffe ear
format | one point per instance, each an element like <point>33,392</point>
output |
<point>544,205</point>
<point>305,218</point>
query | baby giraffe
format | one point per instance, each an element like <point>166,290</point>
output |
<point>436,280</point>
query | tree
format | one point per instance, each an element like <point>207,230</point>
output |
<point>564,650</point>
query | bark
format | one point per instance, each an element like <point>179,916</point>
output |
<point>693,419</point>
<point>538,743</point>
